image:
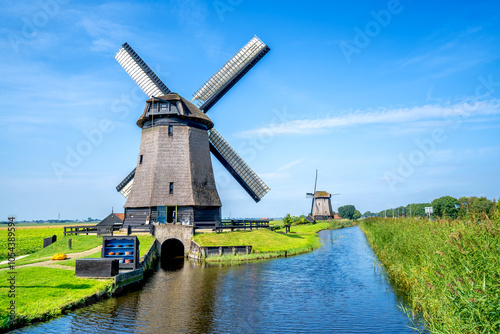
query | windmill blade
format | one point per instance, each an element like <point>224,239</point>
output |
<point>238,168</point>
<point>229,74</point>
<point>126,185</point>
<point>140,72</point>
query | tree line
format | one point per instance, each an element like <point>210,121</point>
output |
<point>445,207</point>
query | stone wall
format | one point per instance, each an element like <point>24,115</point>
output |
<point>175,231</point>
<point>148,261</point>
<point>198,252</point>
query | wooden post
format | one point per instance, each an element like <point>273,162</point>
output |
<point>221,251</point>
<point>69,243</point>
<point>234,251</point>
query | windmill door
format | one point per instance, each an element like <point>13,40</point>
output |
<point>171,214</point>
<point>161,214</point>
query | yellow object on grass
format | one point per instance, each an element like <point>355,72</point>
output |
<point>59,256</point>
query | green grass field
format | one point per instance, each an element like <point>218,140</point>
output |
<point>79,243</point>
<point>41,292</point>
<point>27,240</point>
<point>44,291</point>
<point>449,270</point>
<point>268,244</point>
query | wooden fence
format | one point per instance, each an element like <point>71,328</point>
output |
<point>241,224</point>
<point>98,230</point>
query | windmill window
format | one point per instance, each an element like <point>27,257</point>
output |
<point>140,159</point>
<point>170,130</point>
<point>171,190</point>
<point>164,107</point>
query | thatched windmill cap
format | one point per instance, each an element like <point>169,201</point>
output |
<point>322,194</point>
<point>185,110</point>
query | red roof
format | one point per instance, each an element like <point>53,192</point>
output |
<point>120,215</point>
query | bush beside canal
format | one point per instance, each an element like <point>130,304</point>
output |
<point>269,244</point>
<point>450,270</point>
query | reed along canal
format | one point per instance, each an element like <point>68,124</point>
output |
<point>338,288</point>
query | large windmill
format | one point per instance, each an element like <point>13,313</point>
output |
<point>173,180</point>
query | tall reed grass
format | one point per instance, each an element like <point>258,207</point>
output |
<point>450,270</point>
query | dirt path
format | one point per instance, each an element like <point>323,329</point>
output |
<point>54,263</point>
<point>17,258</point>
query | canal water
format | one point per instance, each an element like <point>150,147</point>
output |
<point>338,288</point>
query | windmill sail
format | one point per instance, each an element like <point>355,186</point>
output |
<point>229,74</point>
<point>238,168</point>
<point>126,185</point>
<point>140,72</point>
<point>218,85</point>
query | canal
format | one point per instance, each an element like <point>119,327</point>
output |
<point>339,288</point>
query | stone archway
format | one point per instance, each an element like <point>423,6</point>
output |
<point>172,249</point>
<point>181,233</point>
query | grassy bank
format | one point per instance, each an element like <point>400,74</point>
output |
<point>79,243</point>
<point>268,244</point>
<point>450,270</point>
<point>41,293</point>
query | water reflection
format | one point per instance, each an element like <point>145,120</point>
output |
<point>338,288</point>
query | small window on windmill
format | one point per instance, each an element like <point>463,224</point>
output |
<point>171,191</point>
<point>170,130</point>
<point>164,107</point>
<point>140,159</point>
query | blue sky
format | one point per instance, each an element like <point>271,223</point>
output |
<point>393,102</point>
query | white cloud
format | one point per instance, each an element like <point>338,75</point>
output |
<point>440,113</point>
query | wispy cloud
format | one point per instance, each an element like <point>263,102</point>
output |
<point>290,165</point>
<point>414,115</point>
<point>446,52</point>
<point>104,33</point>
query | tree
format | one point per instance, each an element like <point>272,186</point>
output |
<point>368,214</point>
<point>347,211</point>
<point>444,207</point>
<point>287,220</point>
<point>481,205</point>
<point>356,214</point>
<point>417,209</point>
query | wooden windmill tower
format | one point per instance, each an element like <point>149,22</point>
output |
<point>173,180</point>
<point>321,206</point>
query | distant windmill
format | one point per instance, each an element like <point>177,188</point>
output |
<point>174,180</point>
<point>321,206</point>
